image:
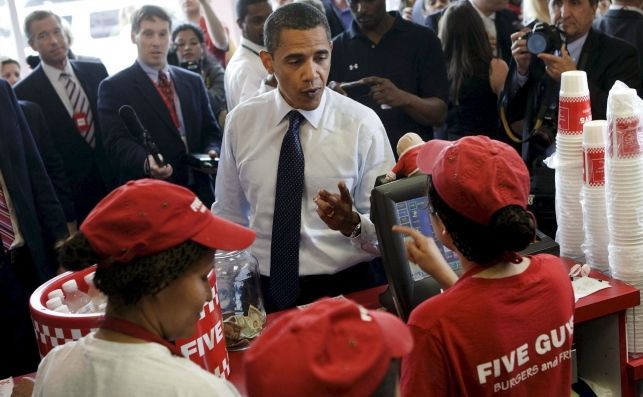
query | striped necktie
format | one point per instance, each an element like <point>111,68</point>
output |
<point>83,118</point>
<point>286,222</point>
<point>6,227</point>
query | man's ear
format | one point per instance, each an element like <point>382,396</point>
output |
<point>240,25</point>
<point>133,37</point>
<point>266,59</point>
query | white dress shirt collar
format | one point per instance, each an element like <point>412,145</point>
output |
<point>154,73</point>
<point>252,47</point>
<point>313,116</point>
<point>53,74</point>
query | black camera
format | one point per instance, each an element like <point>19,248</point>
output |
<point>544,38</point>
<point>192,66</point>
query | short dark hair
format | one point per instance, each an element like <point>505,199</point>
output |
<point>38,15</point>
<point>298,16</point>
<point>148,13</point>
<point>510,229</point>
<point>188,26</point>
<point>126,283</point>
<point>241,6</point>
<point>9,61</point>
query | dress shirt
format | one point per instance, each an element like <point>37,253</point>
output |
<point>489,22</point>
<point>244,74</point>
<point>153,74</point>
<point>53,74</point>
<point>342,140</point>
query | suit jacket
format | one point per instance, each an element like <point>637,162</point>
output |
<point>88,171</point>
<point>627,25</point>
<point>51,158</point>
<point>39,214</point>
<point>506,22</point>
<point>133,87</point>
<point>605,59</point>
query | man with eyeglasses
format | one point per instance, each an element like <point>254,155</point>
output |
<point>66,92</point>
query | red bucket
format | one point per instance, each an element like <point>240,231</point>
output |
<point>206,347</point>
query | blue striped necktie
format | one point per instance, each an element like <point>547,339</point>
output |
<point>286,223</point>
<point>80,105</point>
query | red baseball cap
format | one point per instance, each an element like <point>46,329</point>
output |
<point>475,175</point>
<point>332,348</point>
<point>147,216</point>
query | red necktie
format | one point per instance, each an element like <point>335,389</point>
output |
<point>6,227</point>
<point>167,91</point>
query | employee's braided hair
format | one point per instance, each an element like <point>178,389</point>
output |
<point>126,284</point>
<point>511,229</point>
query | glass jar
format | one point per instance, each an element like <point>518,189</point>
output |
<point>239,291</point>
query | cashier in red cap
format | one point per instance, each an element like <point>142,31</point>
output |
<point>333,348</point>
<point>154,244</point>
<point>505,326</point>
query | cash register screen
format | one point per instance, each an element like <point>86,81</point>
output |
<point>404,202</point>
<point>414,213</point>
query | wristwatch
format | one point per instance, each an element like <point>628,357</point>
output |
<point>357,229</point>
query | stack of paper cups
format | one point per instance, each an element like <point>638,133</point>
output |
<point>573,111</point>
<point>593,195</point>
<point>624,196</point>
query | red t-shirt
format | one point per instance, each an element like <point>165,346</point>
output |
<point>495,337</point>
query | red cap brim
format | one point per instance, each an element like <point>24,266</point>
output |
<point>430,153</point>
<point>398,336</point>
<point>221,234</point>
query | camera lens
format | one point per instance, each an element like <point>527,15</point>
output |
<point>537,43</point>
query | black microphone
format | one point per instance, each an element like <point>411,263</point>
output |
<point>134,125</point>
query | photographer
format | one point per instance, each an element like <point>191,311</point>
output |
<point>531,90</point>
<point>189,46</point>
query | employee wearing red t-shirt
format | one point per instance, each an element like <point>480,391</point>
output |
<point>505,326</point>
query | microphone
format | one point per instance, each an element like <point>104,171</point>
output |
<point>134,125</point>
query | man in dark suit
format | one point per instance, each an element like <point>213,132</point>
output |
<point>171,103</point>
<point>531,90</point>
<point>51,158</point>
<point>338,15</point>
<point>33,221</point>
<point>624,20</point>
<point>66,92</point>
<point>498,20</point>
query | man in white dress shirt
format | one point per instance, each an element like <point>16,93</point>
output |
<point>245,76</point>
<point>345,148</point>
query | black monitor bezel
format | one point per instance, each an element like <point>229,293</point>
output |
<point>384,215</point>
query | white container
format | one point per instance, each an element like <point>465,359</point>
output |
<point>97,297</point>
<point>77,301</point>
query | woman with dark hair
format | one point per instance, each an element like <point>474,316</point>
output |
<point>505,325</point>
<point>475,76</point>
<point>153,243</point>
<point>191,55</point>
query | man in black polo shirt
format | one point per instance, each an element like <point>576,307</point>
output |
<point>400,66</point>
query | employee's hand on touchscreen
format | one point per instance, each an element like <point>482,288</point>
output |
<point>336,210</point>
<point>423,251</point>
